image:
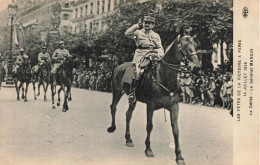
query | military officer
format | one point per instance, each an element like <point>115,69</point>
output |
<point>58,58</point>
<point>43,59</point>
<point>146,41</point>
<point>20,60</point>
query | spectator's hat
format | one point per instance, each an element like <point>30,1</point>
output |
<point>21,50</point>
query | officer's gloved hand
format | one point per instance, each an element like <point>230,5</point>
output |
<point>140,24</point>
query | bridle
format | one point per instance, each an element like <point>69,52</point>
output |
<point>175,67</point>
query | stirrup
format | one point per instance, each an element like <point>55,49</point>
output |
<point>132,98</point>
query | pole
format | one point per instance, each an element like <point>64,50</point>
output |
<point>11,38</point>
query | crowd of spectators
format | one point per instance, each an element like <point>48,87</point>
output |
<point>97,77</point>
<point>210,88</point>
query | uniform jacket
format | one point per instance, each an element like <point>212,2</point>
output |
<point>20,59</point>
<point>60,53</point>
<point>143,39</point>
<point>45,55</point>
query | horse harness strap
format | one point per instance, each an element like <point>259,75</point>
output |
<point>165,88</point>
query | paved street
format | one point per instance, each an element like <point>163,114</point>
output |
<point>32,133</point>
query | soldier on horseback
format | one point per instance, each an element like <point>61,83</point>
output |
<point>58,58</point>
<point>43,60</point>
<point>148,42</point>
<point>19,61</point>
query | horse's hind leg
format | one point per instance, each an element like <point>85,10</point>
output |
<point>21,86</point>
<point>69,96</point>
<point>65,104</point>
<point>129,112</point>
<point>174,112</point>
<point>149,127</point>
<point>116,97</point>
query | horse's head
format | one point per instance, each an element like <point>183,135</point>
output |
<point>188,49</point>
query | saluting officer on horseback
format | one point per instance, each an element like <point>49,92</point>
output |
<point>58,58</point>
<point>43,60</point>
<point>148,43</point>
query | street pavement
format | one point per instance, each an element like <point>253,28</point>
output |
<point>32,133</point>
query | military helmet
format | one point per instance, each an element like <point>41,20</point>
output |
<point>21,50</point>
<point>44,47</point>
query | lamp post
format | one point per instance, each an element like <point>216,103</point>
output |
<point>12,9</point>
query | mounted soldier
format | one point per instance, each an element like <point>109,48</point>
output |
<point>58,58</point>
<point>19,61</point>
<point>43,60</point>
<point>148,43</point>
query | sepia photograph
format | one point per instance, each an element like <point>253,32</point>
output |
<point>129,82</point>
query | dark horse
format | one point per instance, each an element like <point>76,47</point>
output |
<point>64,79</point>
<point>159,89</point>
<point>23,75</point>
<point>43,79</point>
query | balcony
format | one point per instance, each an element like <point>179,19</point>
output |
<point>86,17</point>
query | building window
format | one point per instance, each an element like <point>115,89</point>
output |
<point>91,8</point>
<point>86,8</point>
<point>66,5</point>
<point>90,27</point>
<point>108,5</point>
<point>76,13</point>
<point>65,16</point>
<point>103,6</point>
<point>98,7</point>
<point>81,11</point>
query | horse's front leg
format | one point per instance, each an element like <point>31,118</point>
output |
<point>35,98</point>
<point>149,128</point>
<point>129,112</point>
<point>45,91</point>
<point>174,112</point>
<point>53,92</point>
<point>21,86</point>
<point>69,95</point>
<point>39,88</point>
<point>17,90</point>
<point>58,103</point>
<point>26,90</point>
<point>65,103</point>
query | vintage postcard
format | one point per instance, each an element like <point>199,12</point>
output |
<point>129,82</point>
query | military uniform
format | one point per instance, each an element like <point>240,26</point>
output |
<point>58,58</point>
<point>19,61</point>
<point>43,58</point>
<point>145,42</point>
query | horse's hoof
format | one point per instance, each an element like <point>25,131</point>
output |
<point>64,110</point>
<point>149,153</point>
<point>180,162</point>
<point>38,94</point>
<point>53,107</point>
<point>69,99</point>
<point>129,144</point>
<point>25,100</point>
<point>45,99</point>
<point>18,98</point>
<point>111,129</point>
<point>22,97</point>
<point>58,104</point>
<point>35,98</point>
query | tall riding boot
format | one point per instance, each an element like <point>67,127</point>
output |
<point>131,96</point>
<point>54,79</point>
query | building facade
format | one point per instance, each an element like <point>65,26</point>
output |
<point>49,15</point>
<point>88,15</point>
